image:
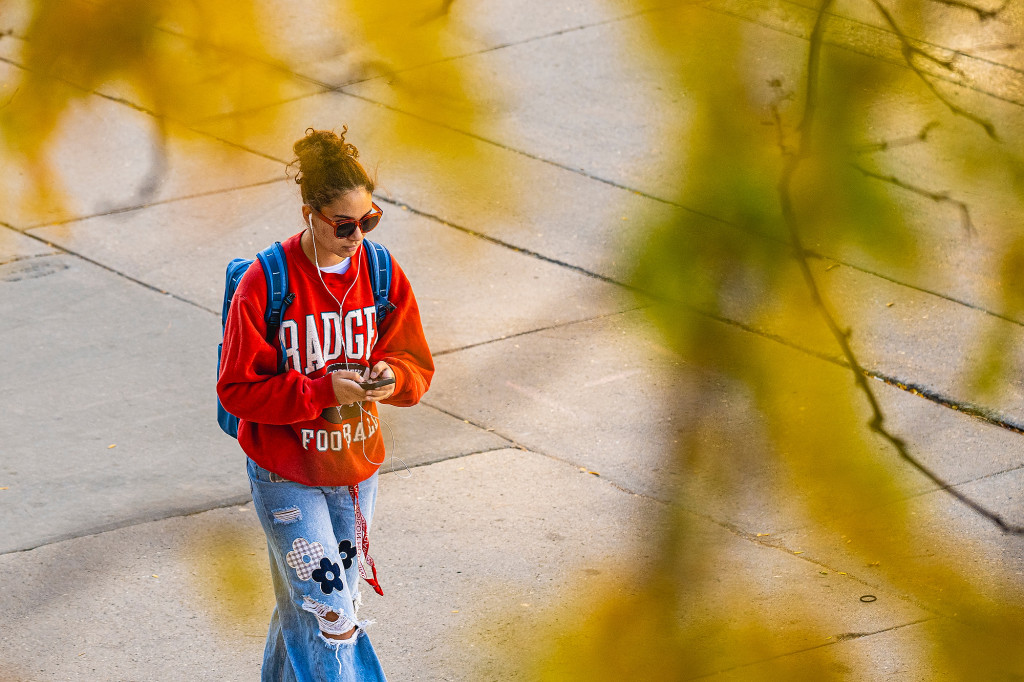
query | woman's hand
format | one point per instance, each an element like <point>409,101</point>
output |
<point>346,387</point>
<point>381,371</point>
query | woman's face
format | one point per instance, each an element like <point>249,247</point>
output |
<point>352,204</point>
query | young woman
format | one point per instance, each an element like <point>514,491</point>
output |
<point>311,430</point>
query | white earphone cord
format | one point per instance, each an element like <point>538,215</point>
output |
<point>362,410</point>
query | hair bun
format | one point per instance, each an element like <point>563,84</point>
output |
<point>327,165</point>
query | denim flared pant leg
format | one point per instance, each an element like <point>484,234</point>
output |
<point>313,564</point>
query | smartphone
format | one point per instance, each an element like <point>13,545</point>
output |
<point>379,383</point>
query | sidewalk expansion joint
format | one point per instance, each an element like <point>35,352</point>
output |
<point>837,639</point>
<point>139,520</point>
<point>510,441</point>
<point>135,280</point>
<point>509,245</point>
<point>971,410</point>
<point>513,444</point>
<point>448,458</point>
<point>448,351</point>
<point>159,202</point>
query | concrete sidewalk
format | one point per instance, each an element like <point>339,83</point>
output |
<point>129,539</point>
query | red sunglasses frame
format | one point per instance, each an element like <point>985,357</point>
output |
<point>346,228</point>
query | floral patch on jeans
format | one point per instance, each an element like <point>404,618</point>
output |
<point>296,558</point>
<point>347,552</point>
<point>329,576</point>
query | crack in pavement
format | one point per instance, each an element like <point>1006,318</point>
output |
<point>34,255</point>
<point>812,648</point>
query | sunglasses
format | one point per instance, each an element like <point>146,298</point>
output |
<point>345,228</point>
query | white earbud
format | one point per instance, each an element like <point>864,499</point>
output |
<point>309,219</point>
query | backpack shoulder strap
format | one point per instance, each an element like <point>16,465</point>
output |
<point>275,271</point>
<point>379,260</point>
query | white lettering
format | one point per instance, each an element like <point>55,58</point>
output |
<point>321,440</point>
<point>332,336</point>
<point>314,355</point>
<point>347,431</point>
<point>307,435</point>
<point>370,314</point>
<point>360,434</point>
<point>353,342</point>
<point>336,440</point>
<point>291,345</point>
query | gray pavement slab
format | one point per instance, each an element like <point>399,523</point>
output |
<point>108,404</point>
<point>414,436</point>
<point>473,553</point>
<point>950,536</point>
<point>602,394</point>
<point>596,73</point>
<point>466,28</point>
<point>183,247</point>
<point>902,654</point>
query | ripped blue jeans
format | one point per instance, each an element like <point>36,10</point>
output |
<point>311,538</point>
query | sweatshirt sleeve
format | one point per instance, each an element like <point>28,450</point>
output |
<point>250,386</point>
<point>402,344</point>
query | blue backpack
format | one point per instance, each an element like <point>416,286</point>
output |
<point>275,271</point>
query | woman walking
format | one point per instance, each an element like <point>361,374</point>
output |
<point>306,402</point>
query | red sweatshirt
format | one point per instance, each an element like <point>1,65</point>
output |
<point>289,422</point>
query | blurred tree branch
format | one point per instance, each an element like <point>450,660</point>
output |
<point>983,14</point>
<point>842,336</point>
<point>940,197</point>
<point>910,50</point>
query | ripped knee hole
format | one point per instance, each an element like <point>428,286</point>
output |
<point>332,624</point>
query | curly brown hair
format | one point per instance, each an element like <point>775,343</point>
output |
<point>328,167</point>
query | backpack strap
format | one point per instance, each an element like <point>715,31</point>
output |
<point>275,271</point>
<point>380,277</point>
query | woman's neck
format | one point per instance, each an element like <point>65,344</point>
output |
<point>326,258</point>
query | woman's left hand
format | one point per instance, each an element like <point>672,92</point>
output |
<point>381,371</point>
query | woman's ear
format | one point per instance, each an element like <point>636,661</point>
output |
<point>307,215</point>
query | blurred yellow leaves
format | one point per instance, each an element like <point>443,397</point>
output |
<point>219,68</point>
<point>808,458</point>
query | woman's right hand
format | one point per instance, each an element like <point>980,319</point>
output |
<point>346,387</point>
